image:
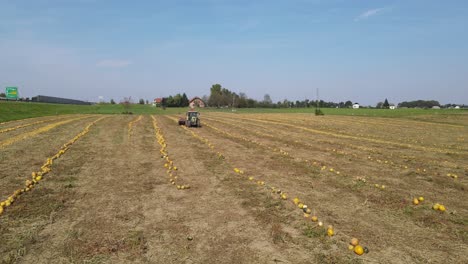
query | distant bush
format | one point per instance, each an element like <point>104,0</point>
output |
<point>318,112</point>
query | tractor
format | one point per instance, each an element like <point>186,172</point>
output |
<point>192,119</point>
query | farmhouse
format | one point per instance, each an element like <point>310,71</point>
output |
<point>392,106</point>
<point>157,102</point>
<point>355,105</point>
<point>196,102</point>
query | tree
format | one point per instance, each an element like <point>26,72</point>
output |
<point>205,98</point>
<point>2,95</point>
<point>242,101</point>
<point>147,102</point>
<point>386,105</point>
<point>215,95</point>
<point>127,104</point>
<point>379,105</point>
<point>112,101</point>
<point>177,100</point>
<point>220,96</point>
<point>164,103</point>
<point>227,97</point>
<point>267,100</point>
<point>348,104</point>
<point>141,101</point>
<point>184,101</point>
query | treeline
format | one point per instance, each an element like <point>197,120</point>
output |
<point>223,97</point>
<point>178,100</point>
<point>419,104</point>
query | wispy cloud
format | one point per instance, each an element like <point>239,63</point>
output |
<point>369,13</point>
<point>113,63</point>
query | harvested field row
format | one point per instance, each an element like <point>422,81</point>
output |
<point>277,192</point>
<point>389,154</point>
<point>377,140</point>
<point>257,192</point>
<point>324,169</point>
<point>349,152</point>
<point>400,137</point>
<point>15,138</point>
<point>37,176</point>
<point>440,191</point>
<point>132,123</point>
<point>171,169</point>
<point>4,130</point>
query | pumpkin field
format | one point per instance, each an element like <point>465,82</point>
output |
<point>243,188</point>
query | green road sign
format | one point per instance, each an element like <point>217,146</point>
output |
<point>11,92</point>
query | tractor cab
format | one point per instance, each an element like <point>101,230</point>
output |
<point>192,119</point>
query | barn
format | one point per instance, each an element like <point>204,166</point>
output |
<point>196,102</point>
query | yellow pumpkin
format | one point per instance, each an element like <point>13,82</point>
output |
<point>358,250</point>
<point>296,201</point>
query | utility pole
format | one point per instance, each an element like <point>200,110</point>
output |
<point>233,98</point>
<point>317,108</point>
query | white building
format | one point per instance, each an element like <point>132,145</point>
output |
<point>355,105</point>
<point>392,106</point>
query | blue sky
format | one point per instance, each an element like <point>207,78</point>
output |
<point>363,51</point>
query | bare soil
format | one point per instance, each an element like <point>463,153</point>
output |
<point>109,199</point>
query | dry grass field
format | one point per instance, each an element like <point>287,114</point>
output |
<point>121,189</point>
